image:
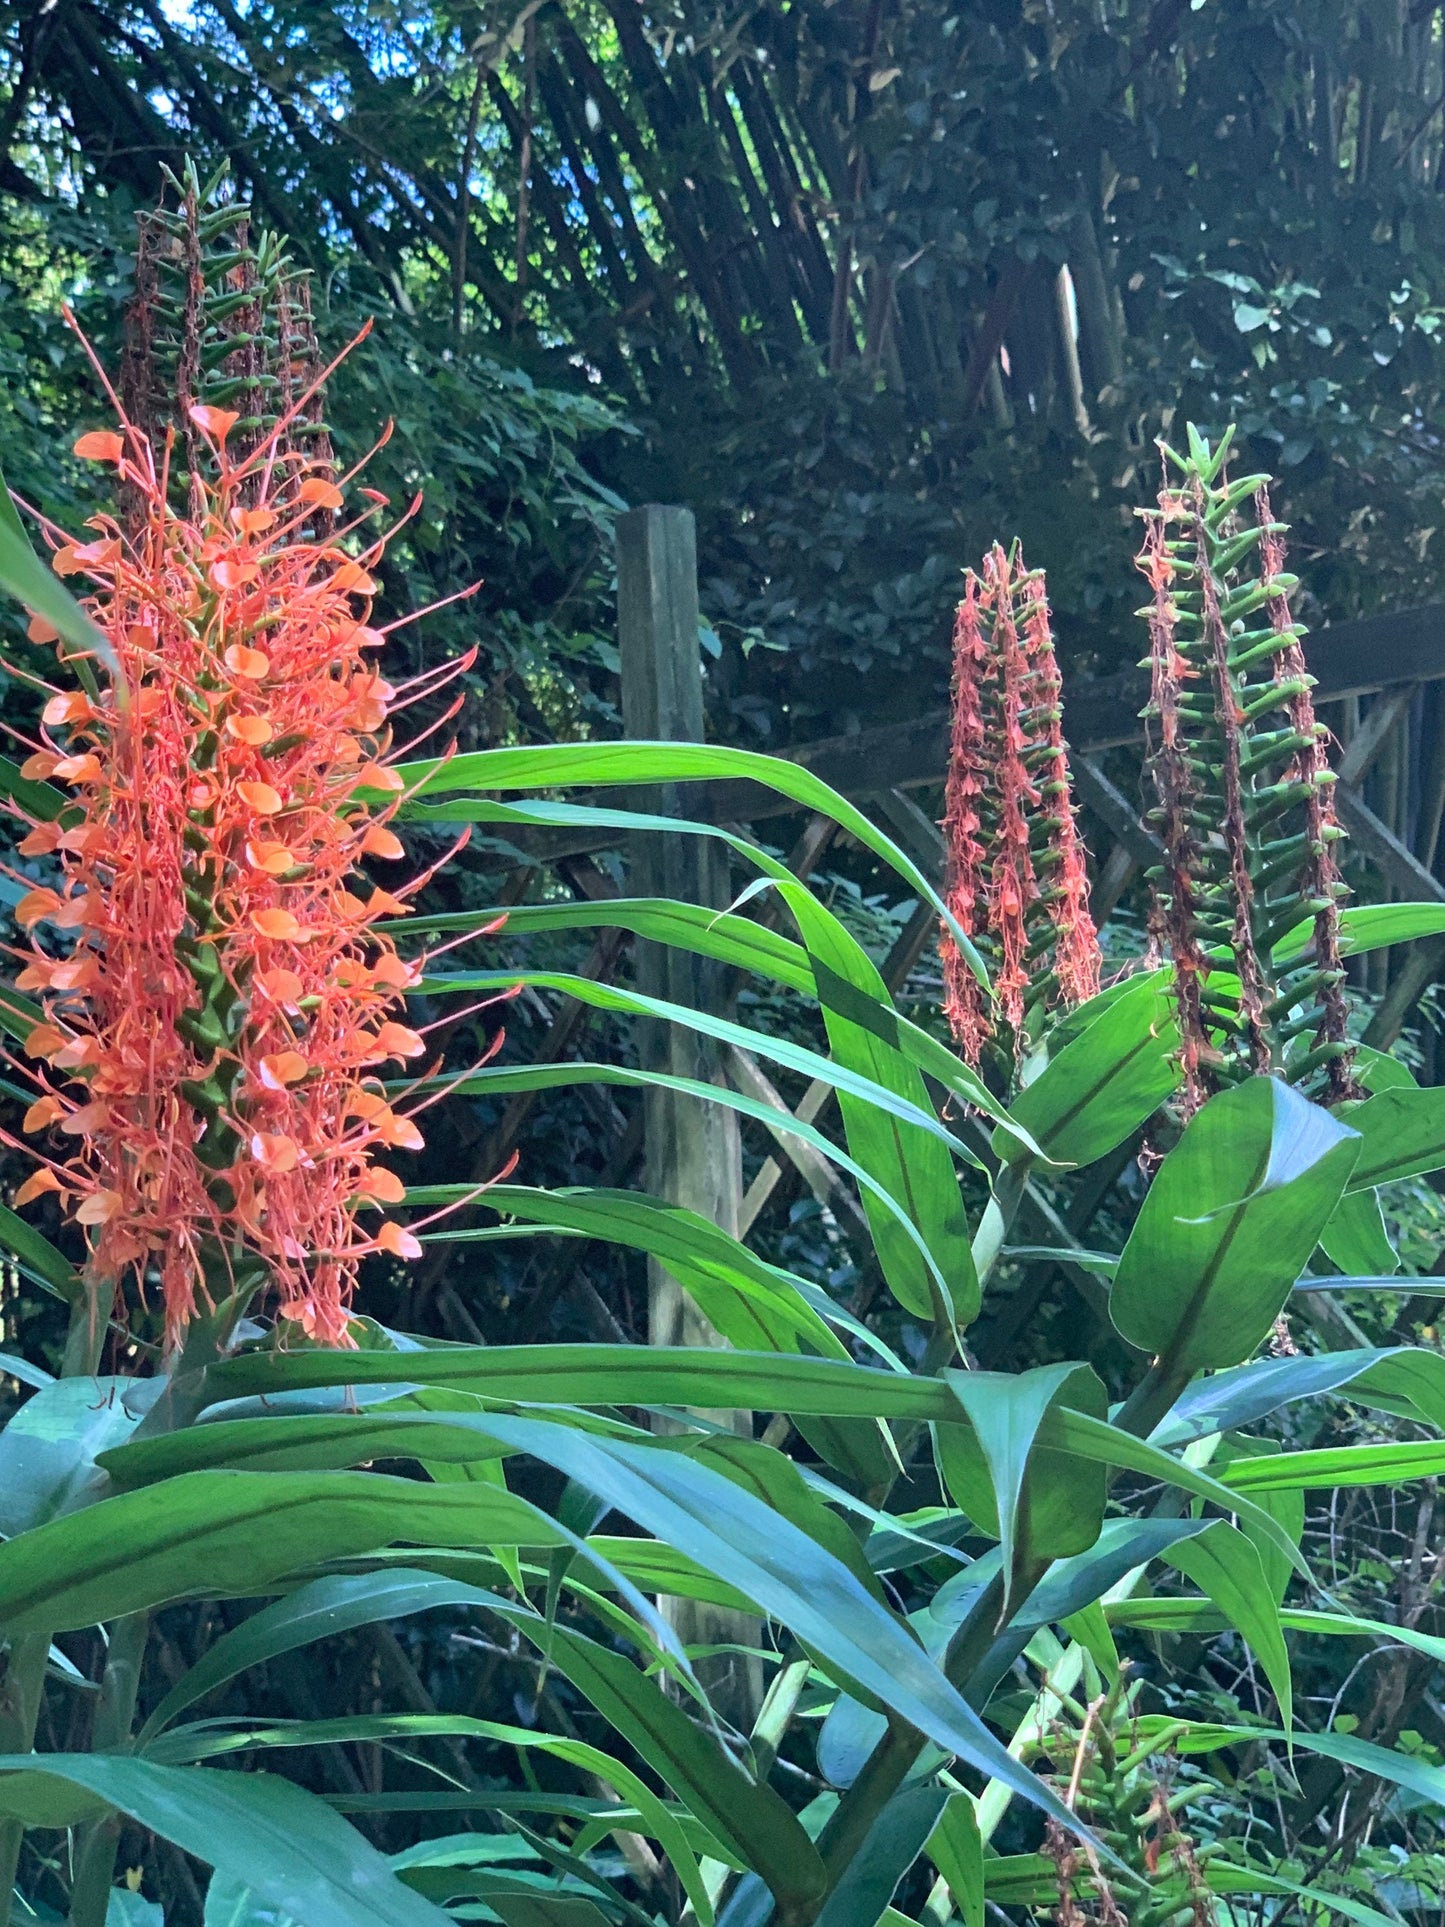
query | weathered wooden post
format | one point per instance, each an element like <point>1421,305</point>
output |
<point>693,1157</point>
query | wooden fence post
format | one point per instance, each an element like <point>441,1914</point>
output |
<point>693,1153</point>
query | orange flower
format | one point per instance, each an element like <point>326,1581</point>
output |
<point>100,445</point>
<point>214,993</point>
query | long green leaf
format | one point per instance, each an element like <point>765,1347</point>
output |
<point>212,1739</point>
<point>603,1375</point>
<point>1405,1379</point>
<point>1039,1503</point>
<point>780,1050</point>
<point>719,934</point>
<point>25,577</point>
<point>236,1533</point>
<point>786,1574</point>
<point>604,765</point>
<point>1366,926</point>
<point>1223,1563</point>
<point>1228,1225</point>
<point>1402,1132</point>
<point>284,1843</point>
<point>1108,1080</point>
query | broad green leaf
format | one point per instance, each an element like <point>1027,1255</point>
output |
<point>603,1375</point>
<point>1338,1466</point>
<point>1405,1379</point>
<point>496,1081</point>
<point>750,1819</point>
<point>755,1305</point>
<point>1223,1877</point>
<point>1108,1080</point>
<point>127,1909</point>
<point>956,1848</point>
<point>281,1841</point>
<point>786,1574</point>
<point>230,1904</point>
<point>889,1848</point>
<point>864,1033</point>
<point>1079,1432</point>
<point>1366,926</point>
<point>212,1739</point>
<point>1402,1134</point>
<point>1355,1238</point>
<point>1223,1564</point>
<point>1175,1614</point>
<point>1285,1506</point>
<point>319,1610</point>
<point>36,1253</point>
<point>1406,1770</point>
<point>235,1533</point>
<point>49,1448</point>
<point>12,1366</point>
<point>753,1821</point>
<point>300,1442</point>
<point>1122,1545</point>
<point>1039,1503</point>
<point>1228,1225</point>
<point>41,800</point>
<point>25,577</point>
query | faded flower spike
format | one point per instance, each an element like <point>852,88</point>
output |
<point>1016,881</point>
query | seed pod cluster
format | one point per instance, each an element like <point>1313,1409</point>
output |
<point>1243,786</point>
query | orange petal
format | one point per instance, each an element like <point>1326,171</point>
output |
<point>260,797</point>
<point>279,925</point>
<point>402,1133</point>
<point>280,985</point>
<point>99,1208</point>
<point>71,707</point>
<point>39,766</point>
<point>377,776</point>
<point>254,730</point>
<point>382,903</point>
<point>35,906</point>
<point>253,521</point>
<point>381,1186</point>
<point>275,1152</point>
<point>78,769</point>
<point>352,579</point>
<point>274,858</point>
<point>216,422</point>
<point>36,1185</point>
<point>39,630</point>
<point>393,971</point>
<point>87,1119</point>
<point>401,1244</point>
<point>250,664</point>
<point>44,1040</point>
<point>76,973</point>
<point>320,493</point>
<point>231,573</point>
<point>42,1112</point>
<point>396,1040</point>
<point>44,838</point>
<point>283,1067</point>
<point>100,445</point>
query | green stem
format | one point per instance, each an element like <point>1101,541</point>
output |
<point>23,1689</point>
<point>999,1213</point>
<point>21,1693</point>
<point>114,1714</point>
